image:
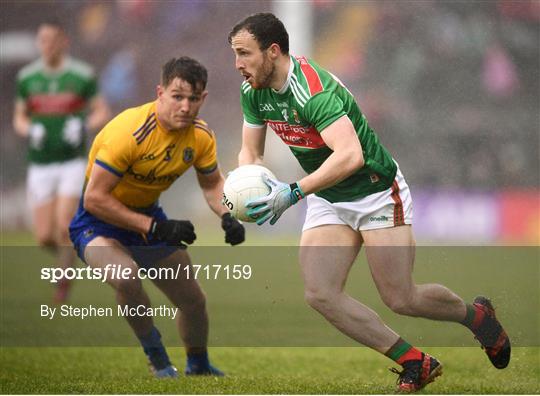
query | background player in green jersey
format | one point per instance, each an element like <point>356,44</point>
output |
<point>56,103</point>
<point>356,195</point>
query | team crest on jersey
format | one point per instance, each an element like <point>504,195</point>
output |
<point>188,155</point>
<point>295,115</point>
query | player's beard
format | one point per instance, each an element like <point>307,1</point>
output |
<point>54,59</point>
<point>266,75</point>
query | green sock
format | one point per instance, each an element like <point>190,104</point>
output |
<point>469,316</point>
<point>402,351</point>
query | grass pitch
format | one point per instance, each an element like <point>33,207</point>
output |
<point>263,335</point>
<point>258,371</point>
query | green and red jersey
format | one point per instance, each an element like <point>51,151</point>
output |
<point>56,103</point>
<point>311,100</point>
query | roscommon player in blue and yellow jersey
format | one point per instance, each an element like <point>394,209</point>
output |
<point>136,157</point>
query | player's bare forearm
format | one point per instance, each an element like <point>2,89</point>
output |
<point>107,208</point>
<point>21,126</point>
<point>99,201</point>
<point>336,168</point>
<point>252,150</point>
<point>212,188</point>
<point>347,157</point>
<point>213,197</point>
<point>21,121</point>
<point>245,157</point>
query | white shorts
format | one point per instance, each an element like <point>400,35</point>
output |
<point>385,209</point>
<point>45,182</point>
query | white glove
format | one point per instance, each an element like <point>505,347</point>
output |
<point>36,135</point>
<point>281,197</point>
<point>73,131</point>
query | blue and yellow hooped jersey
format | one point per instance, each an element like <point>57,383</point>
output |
<point>148,158</point>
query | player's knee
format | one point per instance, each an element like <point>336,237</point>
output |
<point>193,301</point>
<point>128,287</point>
<point>196,301</point>
<point>320,300</point>
<point>46,241</point>
<point>400,304</point>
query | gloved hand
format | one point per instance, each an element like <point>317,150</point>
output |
<point>36,135</point>
<point>234,230</point>
<point>280,198</point>
<point>174,232</point>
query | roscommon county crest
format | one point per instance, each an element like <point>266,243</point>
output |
<point>188,155</point>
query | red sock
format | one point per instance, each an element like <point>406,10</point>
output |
<point>411,354</point>
<point>402,351</point>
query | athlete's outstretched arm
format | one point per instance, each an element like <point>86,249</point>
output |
<point>21,121</point>
<point>99,201</point>
<point>347,157</point>
<point>212,188</point>
<point>252,150</point>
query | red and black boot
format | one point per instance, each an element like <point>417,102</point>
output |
<point>417,373</point>
<point>489,332</point>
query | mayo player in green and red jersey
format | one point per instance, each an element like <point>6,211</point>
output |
<point>56,102</point>
<point>356,195</point>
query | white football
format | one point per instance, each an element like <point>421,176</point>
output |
<point>244,184</point>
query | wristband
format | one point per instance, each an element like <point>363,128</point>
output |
<point>297,191</point>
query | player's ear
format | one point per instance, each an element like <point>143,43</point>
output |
<point>204,94</point>
<point>274,51</point>
<point>159,91</point>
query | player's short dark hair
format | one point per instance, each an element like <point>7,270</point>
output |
<point>54,22</point>
<point>267,30</point>
<point>187,69</point>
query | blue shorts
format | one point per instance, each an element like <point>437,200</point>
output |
<point>146,252</point>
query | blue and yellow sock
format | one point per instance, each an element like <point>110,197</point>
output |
<point>154,349</point>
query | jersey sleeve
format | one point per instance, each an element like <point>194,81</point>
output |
<point>249,107</point>
<point>323,109</point>
<point>206,160</point>
<point>117,149</point>
<point>87,74</point>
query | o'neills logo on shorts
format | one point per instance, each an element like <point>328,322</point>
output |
<point>297,135</point>
<point>379,218</point>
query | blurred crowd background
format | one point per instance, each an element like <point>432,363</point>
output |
<point>451,87</point>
